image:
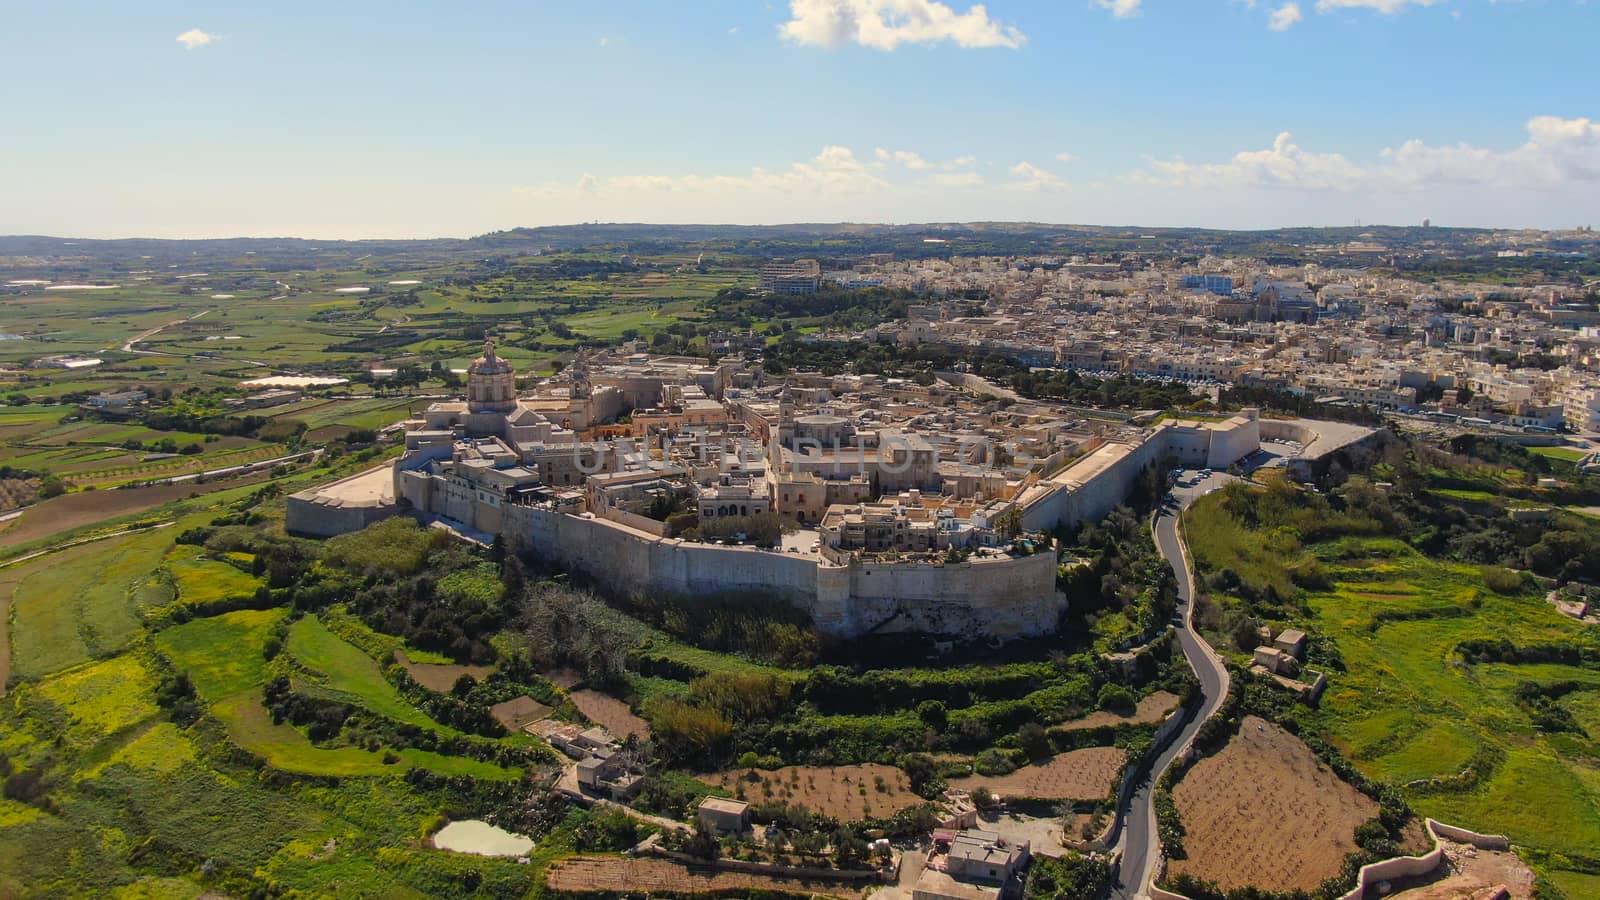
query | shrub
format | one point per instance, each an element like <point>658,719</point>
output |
<point>1118,698</point>
<point>1502,580</point>
<point>993,763</point>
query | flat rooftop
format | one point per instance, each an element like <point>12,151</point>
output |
<point>374,487</point>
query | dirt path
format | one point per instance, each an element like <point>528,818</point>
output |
<point>127,346</point>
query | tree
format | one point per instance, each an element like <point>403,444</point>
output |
<point>1034,741</point>
<point>848,848</point>
<point>1116,697</point>
<point>1009,523</point>
<point>702,844</point>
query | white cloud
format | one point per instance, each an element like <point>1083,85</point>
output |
<point>1284,17</point>
<point>916,162</point>
<point>194,38</point>
<point>904,157</point>
<point>1066,158</point>
<point>1387,7</point>
<point>1283,164</point>
<point>1559,153</point>
<point>886,24</point>
<point>1030,177</point>
<point>956,179</point>
<point>1121,9</point>
<point>835,170</point>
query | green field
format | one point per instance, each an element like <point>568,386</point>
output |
<point>1565,454</point>
<point>200,581</point>
<point>345,673</point>
<point>125,778</point>
<point>82,603</point>
<point>1405,707</point>
<point>224,657</point>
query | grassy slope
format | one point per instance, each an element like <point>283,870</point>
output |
<point>223,655</point>
<point>346,673</point>
<point>1408,709</point>
<point>81,604</point>
<point>136,780</point>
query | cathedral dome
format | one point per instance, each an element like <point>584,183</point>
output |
<point>488,363</point>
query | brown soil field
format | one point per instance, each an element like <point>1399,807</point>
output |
<point>436,677</point>
<point>606,710</point>
<point>1151,709</point>
<point>82,508</point>
<point>835,791</point>
<point>519,711</point>
<point>1266,813</point>
<point>1086,774</point>
<point>615,875</point>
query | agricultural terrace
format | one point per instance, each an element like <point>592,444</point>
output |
<point>846,793</point>
<point>225,658</point>
<point>1452,681</point>
<point>1266,813</point>
<point>96,764</point>
<point>611,875</point>
<point>1081,775</point>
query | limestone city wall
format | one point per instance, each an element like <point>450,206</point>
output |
<point>999,597</point>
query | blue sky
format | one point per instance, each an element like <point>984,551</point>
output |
<point>413,119</point>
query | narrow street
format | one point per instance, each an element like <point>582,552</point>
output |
<point>1139,842</point>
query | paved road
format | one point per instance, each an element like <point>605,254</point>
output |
<point>1139,841</point>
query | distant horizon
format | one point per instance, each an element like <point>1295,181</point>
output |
<point>931,224</point>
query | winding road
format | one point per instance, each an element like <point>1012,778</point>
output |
<point>1139,843</point>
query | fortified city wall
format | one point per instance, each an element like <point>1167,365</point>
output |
<point>1009,597</point>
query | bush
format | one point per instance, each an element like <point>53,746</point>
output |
<point>685,733</point>
<point>393,546</point>
<point>1502,580</point>
<point>993,763</point>
<point>1117,698</point>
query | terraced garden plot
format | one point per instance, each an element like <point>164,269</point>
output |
<point>1150,709</point>
<point>102,698</point>
<point>847,793</point>
<point>439,677</point>
<point>200,580</point>
<point>612,875</point>
<point>343,672</point>
<point>1265,812</point>
<point>1087,774</point>
<point>607,710</point>
<point>79,509</point>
